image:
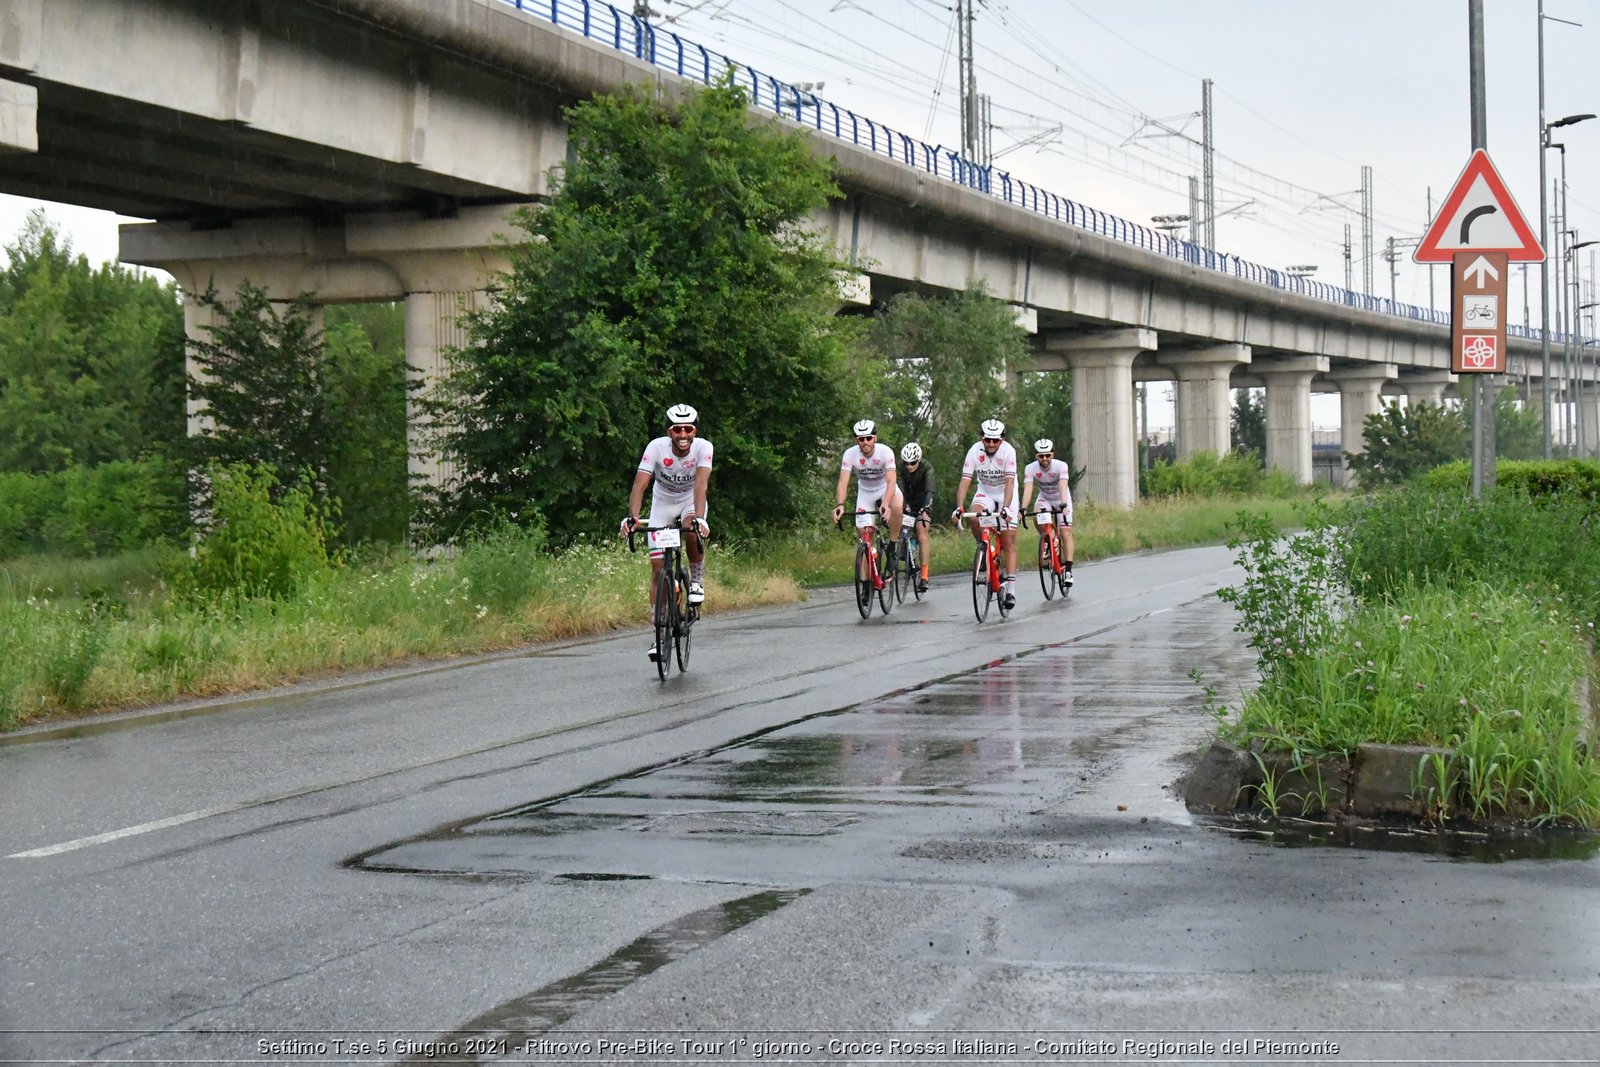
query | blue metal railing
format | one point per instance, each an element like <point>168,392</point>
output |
<point>663,48</point>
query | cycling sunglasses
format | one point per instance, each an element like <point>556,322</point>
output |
<point>682,431</point>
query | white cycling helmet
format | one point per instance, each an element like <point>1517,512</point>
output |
<point>912,453</point>
<point>866,428</point>
<point>993,428</point>
<point>1044,445</point>
<point>682,415</point>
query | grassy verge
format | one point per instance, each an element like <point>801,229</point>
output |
<point>84,635</point>
<point>1428,619</point>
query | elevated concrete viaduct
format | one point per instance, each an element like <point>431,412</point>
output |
<point>374,150</point>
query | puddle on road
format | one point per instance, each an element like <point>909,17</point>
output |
<point>1013,735</point>
<point>513,1023</point>
<point>1451,844</point>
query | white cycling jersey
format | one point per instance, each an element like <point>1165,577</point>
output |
<point>673,494</point>
<point>872,473</point>
<point>991,473</point>
<point>1053,488</point>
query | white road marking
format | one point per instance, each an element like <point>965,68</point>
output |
<point>129,831</point>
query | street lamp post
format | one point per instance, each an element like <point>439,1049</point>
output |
<point>1570,325</point>
<point>1544,228</point>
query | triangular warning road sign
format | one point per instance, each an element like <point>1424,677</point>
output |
<point>1479,215</point>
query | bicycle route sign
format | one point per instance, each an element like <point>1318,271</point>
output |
<point>1477,309</point>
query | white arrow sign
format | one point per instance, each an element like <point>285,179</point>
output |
<point>1484,270</point>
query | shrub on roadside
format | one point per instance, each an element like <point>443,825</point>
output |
<point>1397,538</point>
<point>92,511</point>
<point>1484,671</point>
<point>1576,479</point>
<point>255,546</point>
<point>1207,474</point>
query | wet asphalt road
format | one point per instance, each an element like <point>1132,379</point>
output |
<point>828,831</point>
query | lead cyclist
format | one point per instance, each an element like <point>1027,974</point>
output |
<point>680,466</point>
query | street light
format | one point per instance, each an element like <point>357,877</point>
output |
<point>1544,231</point>
<point>1300,270</point>
<point>1170,223</point>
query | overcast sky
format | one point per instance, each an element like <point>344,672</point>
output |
<point>1304,94</point>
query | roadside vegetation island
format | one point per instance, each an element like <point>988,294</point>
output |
<point>1423,655</point>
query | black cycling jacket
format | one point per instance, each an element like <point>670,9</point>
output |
<point>917,487</point>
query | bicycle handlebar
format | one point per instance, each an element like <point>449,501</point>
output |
<point>878,519</point>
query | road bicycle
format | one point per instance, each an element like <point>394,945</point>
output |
<point>987,585</point>
<point>908,560</point>
<point>674,617</point>
<point>875,570</point>
<point>1052,568</point>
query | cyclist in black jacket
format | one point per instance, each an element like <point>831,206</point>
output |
<point>916,484</point>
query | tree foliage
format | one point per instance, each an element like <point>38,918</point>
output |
<point>1401,443</point>
<point>672,264</point>
<point>260,382</point>
<point>1248,423</point>
<point>91,359</point>
<point>302,403</point>
<point>942,364</point>
<point>364,394</point>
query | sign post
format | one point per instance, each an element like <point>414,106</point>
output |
<point>1480,231</point>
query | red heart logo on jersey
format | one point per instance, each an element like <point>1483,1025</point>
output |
<point>667,462</point>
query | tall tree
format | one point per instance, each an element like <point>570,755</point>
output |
<point>364,381</point>
<point>673,263</point>
<point>946,360</point>
<point>91,359</point>
<point>261,381</point>
<point>1403,442</point>
<point>1248,424</point>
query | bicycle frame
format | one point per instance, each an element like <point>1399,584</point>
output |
<point>672,616</point>
<point>869,537</point>
<point>989,550</point>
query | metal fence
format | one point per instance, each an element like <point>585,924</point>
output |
<point>670,51</point>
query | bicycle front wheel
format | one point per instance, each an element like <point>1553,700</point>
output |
<point>1047,570</point>
<point>666,600</point>
<point>684,628</point>
<point>885,575</point>
<point>864,580</point>
<point>981,594</point>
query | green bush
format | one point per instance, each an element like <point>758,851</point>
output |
<point>502,564</point>
<point>1399,537</point>
<point>92,511</point>
<point>1207,474</point>
<point>256,546</point>
<point>1571,478</point>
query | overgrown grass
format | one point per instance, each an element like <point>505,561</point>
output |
<point>86,635</point>
<point>1425,619</point>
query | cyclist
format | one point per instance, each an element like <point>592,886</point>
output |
<point>876,490</point>
<point>916,490</point>
<point>1055,495</point>
<point>993,462</point>
<point>680,465</point>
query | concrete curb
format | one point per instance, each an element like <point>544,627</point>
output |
<point>1379,781</point>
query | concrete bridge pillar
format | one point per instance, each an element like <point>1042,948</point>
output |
<point>1203,411</point>
<point>1589,421</point>
<point>1102,409</point>
<point>1360,395</point>
<point>1424,387</point>
<point>1289,412</point>
<point>433,329</point>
